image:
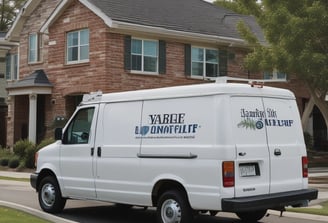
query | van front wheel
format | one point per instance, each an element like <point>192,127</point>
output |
<point>251,216</point>
<point>173,206</point>
<point>49,195</point>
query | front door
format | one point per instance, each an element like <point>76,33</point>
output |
<point>76,158</point>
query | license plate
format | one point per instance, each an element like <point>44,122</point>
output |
<point>247,170</point>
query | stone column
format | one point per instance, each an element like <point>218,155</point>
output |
<point>32,118</point>
<point>10,121</point>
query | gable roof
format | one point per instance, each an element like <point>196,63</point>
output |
<point>35,83</point>
<point>194,19</point>
<point>37,79</point>
<point>14,32</point>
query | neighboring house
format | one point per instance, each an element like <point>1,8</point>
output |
<point>4,47</point>
<point>72,47</point>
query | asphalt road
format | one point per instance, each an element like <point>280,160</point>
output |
<point>97,212</point>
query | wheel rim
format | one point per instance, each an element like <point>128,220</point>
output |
<point>171,211</point>
<point>48,194</point>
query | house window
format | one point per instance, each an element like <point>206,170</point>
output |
<point>34,45</point>
<point>144,55</point>
<point>11,66</point>
<point>204,62</point>
<point>275,75</point>
<point>78,46</point>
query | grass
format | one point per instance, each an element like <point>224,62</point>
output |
<point>9,215</point>
<point>15,179</point>
<point>309,210</point>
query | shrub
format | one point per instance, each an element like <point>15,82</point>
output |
<point>21,147</point>
<point>4,161</point>
<point>29,159</point>
<point>308,140</point>
<point>5,154</point>
<point>13,162</point>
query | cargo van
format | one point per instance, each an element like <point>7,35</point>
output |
<point>184,150</point>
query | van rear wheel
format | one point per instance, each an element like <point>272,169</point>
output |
<point>173,207</point>
<point>49,195</point>
<point>251,216</point>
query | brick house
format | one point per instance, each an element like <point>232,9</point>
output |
<point>4,47</point>
<point>71,47</point>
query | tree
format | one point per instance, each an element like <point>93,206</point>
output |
<point>8,12</point>
<point>297,34</point>
<point>245,7</point>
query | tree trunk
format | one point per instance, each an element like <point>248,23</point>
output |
<point>307,112</point>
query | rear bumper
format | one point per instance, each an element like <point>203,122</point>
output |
<point>269,201</point>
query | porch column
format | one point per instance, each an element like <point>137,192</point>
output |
<point>32,118</point>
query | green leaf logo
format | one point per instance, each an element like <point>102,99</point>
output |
<point>247,123</point>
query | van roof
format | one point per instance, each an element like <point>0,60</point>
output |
<point>189,91</point>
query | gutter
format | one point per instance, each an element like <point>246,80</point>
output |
<point>130,28</point>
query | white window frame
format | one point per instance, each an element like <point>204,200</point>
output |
<point>78,46</point>
<point>13,69</point>
<point>275,76</point>
<point>204,76</point>
<point>34,50</point>
<point>142,71</point>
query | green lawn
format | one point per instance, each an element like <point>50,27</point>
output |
<point>14,178</point>
<point>309,210</point>
<point>9,215</point>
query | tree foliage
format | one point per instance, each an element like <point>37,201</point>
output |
<point>297,36</point>
<point>8,12</point>
<point>245,7</point>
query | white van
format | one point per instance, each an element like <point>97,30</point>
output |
<point>210,147</point>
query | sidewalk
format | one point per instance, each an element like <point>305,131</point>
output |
<point>15,174</point>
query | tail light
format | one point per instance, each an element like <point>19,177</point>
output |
<point>305,170</point>
<point>228,173</point>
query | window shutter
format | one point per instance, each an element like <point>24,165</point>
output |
<point>223,62</point>
<point>162,57</point>
<point>188,59</point>
<point>127,53</point>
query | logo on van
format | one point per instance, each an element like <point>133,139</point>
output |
<point>257,119</point>
<point>167,126</point>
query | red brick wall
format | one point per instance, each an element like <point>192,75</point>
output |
<point>105,69</point>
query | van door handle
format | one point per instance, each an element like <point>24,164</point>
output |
<point>242,154</point>
<point>277,152</point>
<point>92,151</point>
<point>99,151</point>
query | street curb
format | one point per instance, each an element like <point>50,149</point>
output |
<point>311,217</point>
<point>35,212</point>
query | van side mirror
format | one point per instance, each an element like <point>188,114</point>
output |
<point>58,133</point>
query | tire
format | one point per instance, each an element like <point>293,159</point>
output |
<point>49,195</point>
<point>173,207</point>
<point>252,216</point>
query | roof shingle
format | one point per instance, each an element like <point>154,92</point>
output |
<point>195,16</point>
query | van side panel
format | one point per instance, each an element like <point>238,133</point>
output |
<point>117,167</point>
<point>178,143</point>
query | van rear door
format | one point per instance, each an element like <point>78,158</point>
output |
<point>252,164</point>
<point>286,144</point>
